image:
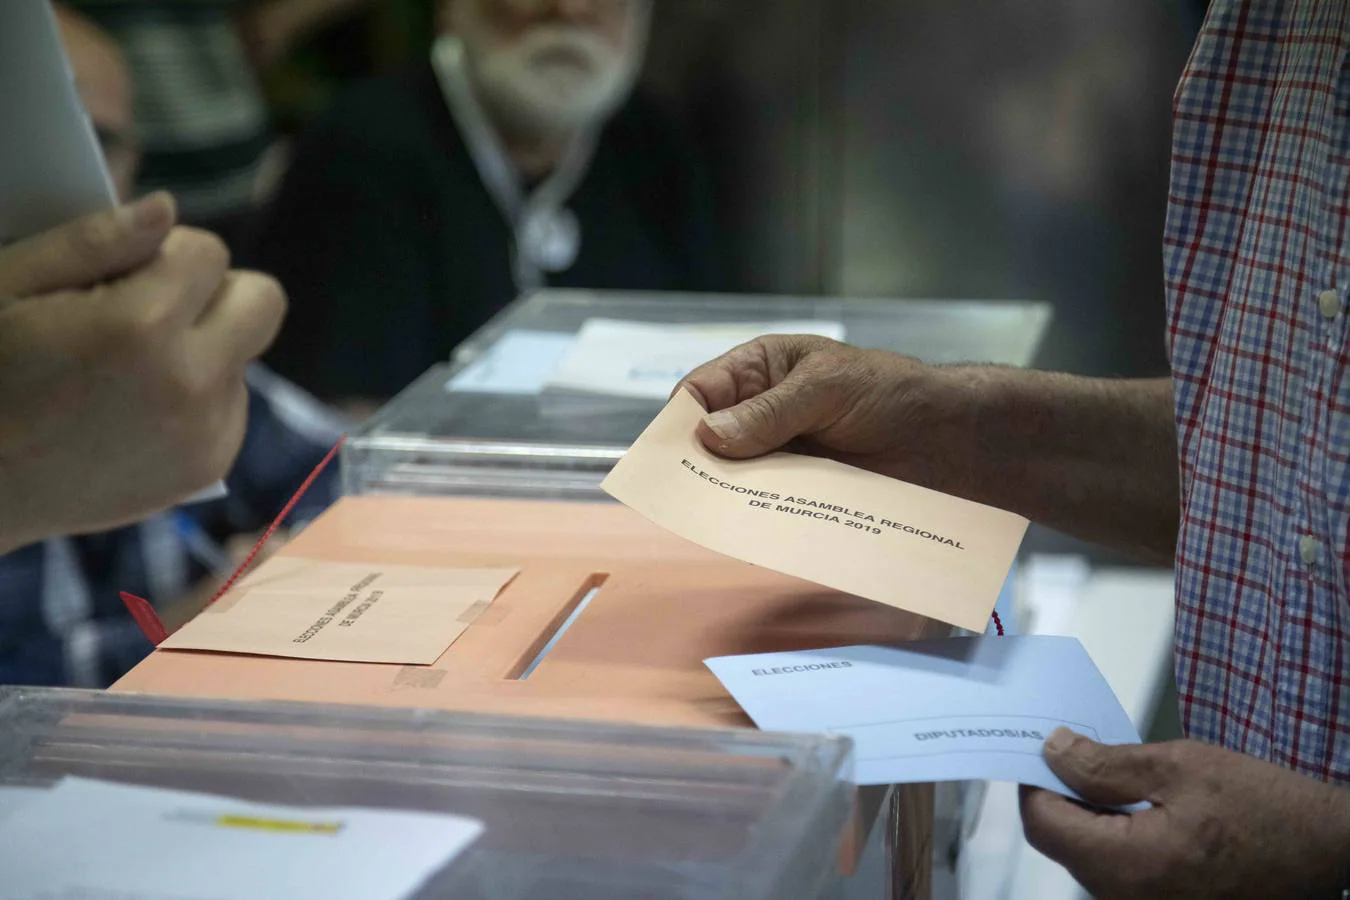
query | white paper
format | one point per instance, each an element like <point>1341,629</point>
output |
<point>51,166</point>
<point>519,363</point>
<point>959,709</point>
<point>640,359</point>
<point>98,841</point>
<point>13,799</point>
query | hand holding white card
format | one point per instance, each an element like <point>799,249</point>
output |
<point>52,169</point>
<point>949,710</point>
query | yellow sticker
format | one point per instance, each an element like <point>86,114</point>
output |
<point>292,827</point>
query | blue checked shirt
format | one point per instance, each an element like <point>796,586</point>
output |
<point>1258,267</point>
<point>61,620</point>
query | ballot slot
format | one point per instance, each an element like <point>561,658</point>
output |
<point>550,636</point>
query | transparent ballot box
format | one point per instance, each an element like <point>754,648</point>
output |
<point>573,811</point>
<point>495,422</point>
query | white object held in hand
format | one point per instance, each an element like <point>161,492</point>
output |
<point>52,169</point>
<point>947,710</point>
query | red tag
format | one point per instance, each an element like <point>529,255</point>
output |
<point>145,614</point>
<point>146,617</point>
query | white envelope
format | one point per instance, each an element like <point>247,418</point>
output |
<point>949,710</point>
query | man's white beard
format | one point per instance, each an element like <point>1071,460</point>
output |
<point>554,78</point>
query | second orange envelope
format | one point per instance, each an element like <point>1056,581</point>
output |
<point>356,612</point>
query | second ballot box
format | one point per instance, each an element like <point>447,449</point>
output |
<point>497,421</point>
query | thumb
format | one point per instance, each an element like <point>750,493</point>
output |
<point>795,406</point>
<point>1102,774</point>
<point>91,249</point>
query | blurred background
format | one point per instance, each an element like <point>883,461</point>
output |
<point>976,150</point>
<point>983,149</point>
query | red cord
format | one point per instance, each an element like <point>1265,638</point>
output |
<point>998,623</point>
<point>276,523</point>
<point>144,613</point>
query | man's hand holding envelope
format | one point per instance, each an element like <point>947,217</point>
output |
<point>1096,458</point>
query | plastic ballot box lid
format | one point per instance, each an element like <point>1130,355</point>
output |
<point>494,422</point>
<point>572,810</point>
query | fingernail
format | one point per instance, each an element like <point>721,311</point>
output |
<point>695,393</point>
<point>724,424</point>
<point>152,211</point>
<point>1061,740</point>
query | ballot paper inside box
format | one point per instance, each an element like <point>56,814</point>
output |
<point>570,811</point>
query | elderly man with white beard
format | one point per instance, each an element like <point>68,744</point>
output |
<point>518,156</point>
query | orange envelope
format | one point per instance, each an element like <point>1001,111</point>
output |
<point>354,612</point>
<point>856,531</point>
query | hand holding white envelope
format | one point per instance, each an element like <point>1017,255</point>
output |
<point>949,710</point>
<point>956,709</point>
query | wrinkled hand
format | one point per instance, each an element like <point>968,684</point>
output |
<point>1222,824</point>
<point>123,342</point>
<point>868,408</point>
